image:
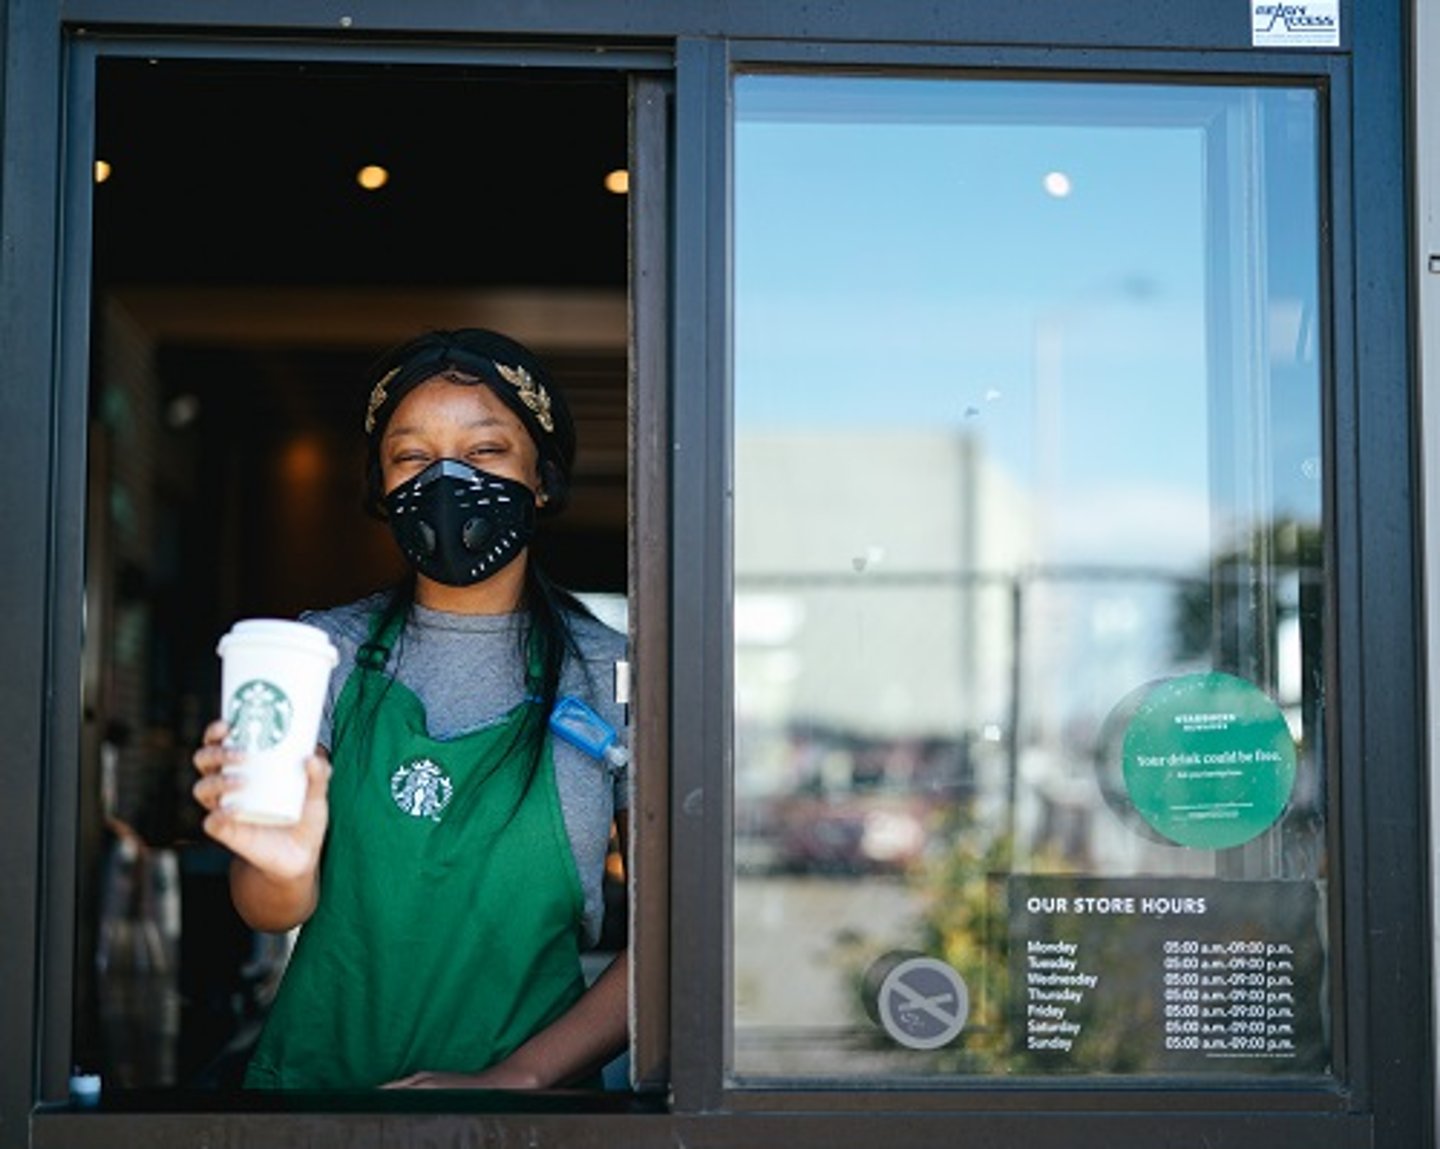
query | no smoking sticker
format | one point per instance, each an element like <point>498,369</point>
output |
<point>919,1001</point>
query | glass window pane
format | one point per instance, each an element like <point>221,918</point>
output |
<point>1028,580</point>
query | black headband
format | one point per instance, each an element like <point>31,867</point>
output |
<point>437,360</point>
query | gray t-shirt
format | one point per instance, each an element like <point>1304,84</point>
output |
<point>467,672</point>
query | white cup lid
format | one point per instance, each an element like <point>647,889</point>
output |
<point>281,632</point>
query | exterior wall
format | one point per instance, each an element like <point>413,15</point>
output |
<point>1427,247</point>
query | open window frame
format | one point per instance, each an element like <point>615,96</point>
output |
<point>646,71</point>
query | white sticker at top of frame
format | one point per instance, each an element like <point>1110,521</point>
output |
<point>1312,24</point>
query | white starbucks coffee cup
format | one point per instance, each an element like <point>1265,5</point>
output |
<point>273,678</point>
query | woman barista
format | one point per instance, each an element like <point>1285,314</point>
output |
<point>447,867</point>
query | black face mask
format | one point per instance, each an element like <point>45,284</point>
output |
<point>459,525</point>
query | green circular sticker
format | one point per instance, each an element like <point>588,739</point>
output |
<point>1208,760</point>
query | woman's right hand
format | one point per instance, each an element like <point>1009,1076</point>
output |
<point>283,854</point>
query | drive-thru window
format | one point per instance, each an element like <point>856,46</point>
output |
<point>998,442</point>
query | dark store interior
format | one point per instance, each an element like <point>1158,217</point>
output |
<point>243,280</point>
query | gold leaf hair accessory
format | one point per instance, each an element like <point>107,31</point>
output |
<point>377,399</point>
<point>531,393</point>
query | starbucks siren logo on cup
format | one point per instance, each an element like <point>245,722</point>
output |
<point>274,677</point>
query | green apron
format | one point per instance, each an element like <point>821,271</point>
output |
<point>449,922</point>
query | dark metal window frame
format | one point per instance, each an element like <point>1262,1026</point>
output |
<point>1376,709</point>
<point>1367,403</point>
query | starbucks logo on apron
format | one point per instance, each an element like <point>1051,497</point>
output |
<point>259,716</point>
<point>421,788</point>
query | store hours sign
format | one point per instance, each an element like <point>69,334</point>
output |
<point>1166,976</point>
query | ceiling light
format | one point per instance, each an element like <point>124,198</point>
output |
<point>618,181</point>
<point>1057,184</point>
<point>102,171</point>
<point>182,411</point>
<point>372,177</point>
